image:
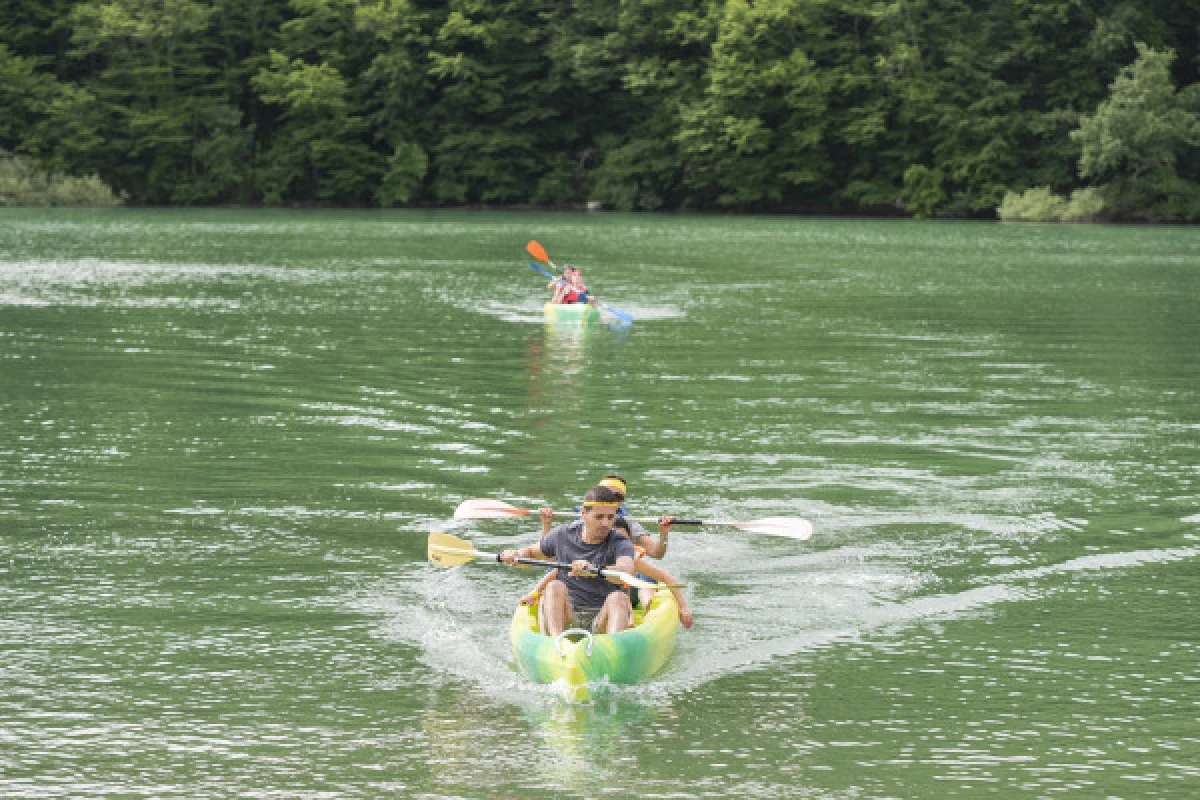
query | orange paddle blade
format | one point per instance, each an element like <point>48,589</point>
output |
<point>537,251</point>
<point>484,508</point>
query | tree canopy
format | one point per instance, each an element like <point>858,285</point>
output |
<point>924,107</point>
<point>1138,136</point>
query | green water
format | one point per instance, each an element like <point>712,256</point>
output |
<point>224,437</point>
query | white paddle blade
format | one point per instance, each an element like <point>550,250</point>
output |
<point>790,527</point>
<point>630,580</point>
<point>483,508</point>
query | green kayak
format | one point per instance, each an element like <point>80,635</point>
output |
<point>579,658</point>
<point>571,312</point>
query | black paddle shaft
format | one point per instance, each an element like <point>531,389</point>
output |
<point>537,562</point>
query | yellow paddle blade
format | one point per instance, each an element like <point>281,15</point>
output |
<point>537,251</point>
<point>449,551</point>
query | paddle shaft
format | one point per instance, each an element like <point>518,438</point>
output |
<point>543,270</point>
<point>458,552</point>
<point>599,573</point>
<point>538,562</point>
<point>652,520</point>
<point>789,527</point>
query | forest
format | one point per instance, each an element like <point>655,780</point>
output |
<point>928,108</point>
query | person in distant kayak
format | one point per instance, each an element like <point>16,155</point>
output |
<point>566,288</point>
<point>570,288</point>
<point>587,544</point>
<point>561,284</point>
<point>581,291</point>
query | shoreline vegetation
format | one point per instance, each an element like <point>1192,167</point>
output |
<point>24,185</point>
<point>1054,111</point>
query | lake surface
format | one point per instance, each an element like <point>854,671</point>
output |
<point>225,436</point>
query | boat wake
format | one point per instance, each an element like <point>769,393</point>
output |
<point>458,619</point>
<point>846,611</point>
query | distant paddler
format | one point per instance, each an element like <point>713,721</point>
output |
<point>571,280</point>
<point>558,284</point>
<point>569,288</point>
<point>588,544</point>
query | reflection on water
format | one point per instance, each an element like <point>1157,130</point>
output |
<point>585,744</point>
<point>556,358</point>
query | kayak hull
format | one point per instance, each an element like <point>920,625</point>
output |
<point>570,312</point>
<point>628,657</point>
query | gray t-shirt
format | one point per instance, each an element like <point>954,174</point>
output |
<point>565,543</point>
<point>636,531</point>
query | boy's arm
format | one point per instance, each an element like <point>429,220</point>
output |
<point>653,571</point>
<point>655,548</point>
<point>537,590</point>
<point>657,573</point>
<point>528,551</point>
<point>685,613</point>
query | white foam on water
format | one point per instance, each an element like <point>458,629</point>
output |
<point>747,620</point>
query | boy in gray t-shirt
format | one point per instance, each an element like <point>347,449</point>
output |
<point>588,544</point>
<point>566,543</point>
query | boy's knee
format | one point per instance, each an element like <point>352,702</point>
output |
<point>618,601</point>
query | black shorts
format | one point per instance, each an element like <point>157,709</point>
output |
<point>585,618</point>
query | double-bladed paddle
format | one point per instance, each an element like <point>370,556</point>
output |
<point>450,551</point>
<point>537,251</point>
<point>789,527</point>
<point>536,267</point>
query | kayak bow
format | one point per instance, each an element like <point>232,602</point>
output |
<point>579,658</point>
<point>570,312</point>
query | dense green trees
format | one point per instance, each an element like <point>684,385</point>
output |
<point>1138,136</point>
<point>927,107</point>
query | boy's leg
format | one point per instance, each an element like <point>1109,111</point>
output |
<point>554,609</point>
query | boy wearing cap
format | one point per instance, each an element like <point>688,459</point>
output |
<point>564,287</point>
<point>652,548</point>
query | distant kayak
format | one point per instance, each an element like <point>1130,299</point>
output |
<point>571,312</point>
<point>579,658</point>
